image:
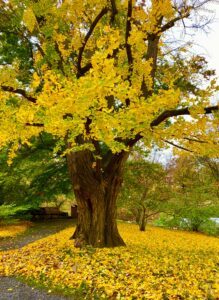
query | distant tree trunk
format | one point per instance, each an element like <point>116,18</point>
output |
<point>138,216</point>
<point>136,212</point>
<point>143,222</point>
<point>195,226</point>
<point>96,191</point>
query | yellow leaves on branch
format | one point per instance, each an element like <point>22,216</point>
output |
<point>29,19</point>
<point>67,42</point>
<point>156,264</point>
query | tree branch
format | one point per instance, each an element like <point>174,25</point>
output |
<point>85,69</point>
<point>114,10</point>
<point>40,49</point>
<point>88,35</point>
<point>19,92</point>
<point>171,23</point>
<point>153,44</point>
<point>168,114</point>
<point>177,146</point>
<point>127,45</point>
<point>35,124</point>
<point>127,34</point>
<point>179,112</point>
<point>195,140</point>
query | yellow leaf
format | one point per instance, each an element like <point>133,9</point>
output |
<point>29,19</point>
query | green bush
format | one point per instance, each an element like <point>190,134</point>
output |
<point>210,227</point>
<point>167,221</point>
<point>207,226</point>
<point>11,210</point>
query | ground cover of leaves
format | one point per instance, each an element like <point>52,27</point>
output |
<point>156,264</point>
<point>13,230</point>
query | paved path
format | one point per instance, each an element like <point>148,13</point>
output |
<point>11,288</point>
<point>35,232</point>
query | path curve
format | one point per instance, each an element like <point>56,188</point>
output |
<point>13,289</point>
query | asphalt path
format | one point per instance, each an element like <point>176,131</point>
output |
<point>13,289</point>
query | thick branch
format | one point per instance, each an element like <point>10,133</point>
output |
<point>88,66</point>
<point>60,62</point>
<point>153,45</point>
<point>171,23</point>
<point>168,114</point>
<point>127,34</point>
<point>88,35</point>
<point>19,92</point>
<point>179,112</point>
<point>127,45</point>
<point>114,10</point>
<point>85,69</point>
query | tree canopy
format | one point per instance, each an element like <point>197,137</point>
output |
<point>145,191</point>
<point>102,74</point>
<point>195,196</point>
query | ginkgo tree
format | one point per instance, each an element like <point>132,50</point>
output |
<point>99,76</point>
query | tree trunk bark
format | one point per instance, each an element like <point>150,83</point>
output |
<point>137,214</point>
<point>96,191</point>
<point>143,220</point>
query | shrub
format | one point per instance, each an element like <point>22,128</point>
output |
<point>210,227</point>
<point>11,210</point>
<point>204,225</point>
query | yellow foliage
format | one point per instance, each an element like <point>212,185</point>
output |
<point>156,264</point>
<point>84,53</point>
<point>29,19</point>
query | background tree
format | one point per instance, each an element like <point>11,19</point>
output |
<point>212,168</point>
<point>99,76</point>
<point>195,194</point>
<point>144,192</point>
<point>36,175</point>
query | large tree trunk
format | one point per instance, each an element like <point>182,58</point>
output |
<point>96,190</point>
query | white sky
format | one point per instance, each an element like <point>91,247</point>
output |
<point>208,43</point>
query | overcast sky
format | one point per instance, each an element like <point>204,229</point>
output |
<point>206,44</point>
<point>209,42</point>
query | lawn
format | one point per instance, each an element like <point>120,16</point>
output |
<point>156,264</point>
